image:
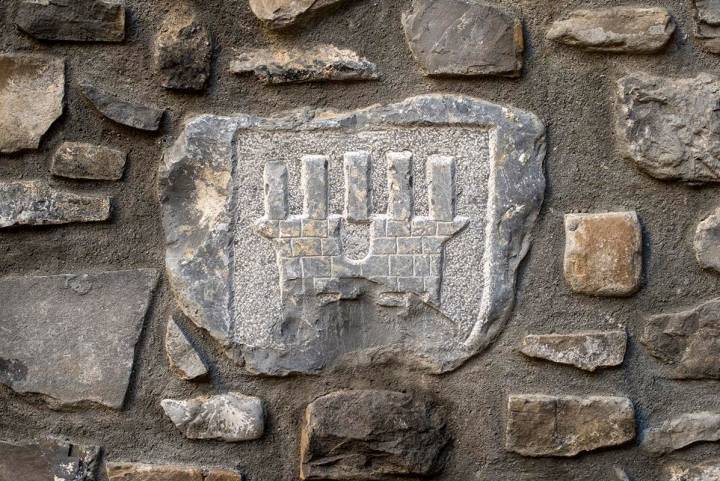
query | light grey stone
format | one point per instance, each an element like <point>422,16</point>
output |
<point>620,474</point>
<point>669,127</point>
<point>400,194</point>
<point>615,30</point>
<point>137,116</point>
<point>688,342</point>
<point>74,20</point>
<point>230,417</point>
<point>276,178</point>
<point>707,24</point>
<point>79,160</point>
<point>252,297</point>
<point>48,460</point>
<point>36,203</point>
<point>357,196</point>
<point>315,64</point>
<point>706,471</point>
<point>585,350</point>
<point>464,37</point>
<point>441,182</point>
<point>32,88</point>
<point>315,187</point>
<point>181,355</point>
<point>72,337</point>
<point>121,471</point>
<point>707,242</point>
<point>282,13</point>
<point>539,425</point>
<point>682,431</point>
<point>182,51</point>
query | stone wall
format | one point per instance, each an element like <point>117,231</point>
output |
<point>359,239</point>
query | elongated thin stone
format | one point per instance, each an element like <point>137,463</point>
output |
<point>356,185</point>
<point>441,178</point>
<point>315,186</point>
<point>79,160</point>
<point>275,179</point>
<point>400,201</point>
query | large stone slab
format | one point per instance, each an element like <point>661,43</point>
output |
<point>669,127</point>
<point>585,350</point>
<point>616,30</point>
<point>183,51</point>
<point>464,37</point>
<point>181,355</point>
<point>80,160</point>
<point>707,24</point>
<point>425,277</point>
<point>32,88</point>
<point>373,435</point>
<point>539,425</point>
<point>72,337</point>
<point>137,116</point>
<point>688,342</point>
<point>707,242</point>
<point>682,431</point>
<point>707,471</point>
<point>75,20</point>
<point>36,203</point>
<point>48,461</point>
<point>117,471</point>
<point>283,13</point>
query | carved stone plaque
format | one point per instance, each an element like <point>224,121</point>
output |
<point>323,239</point>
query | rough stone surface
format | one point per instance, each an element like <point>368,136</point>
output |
<point>282,13</point>
<point>75,20</point>
<point>183,51</point>
<point>79,160</point>
<point>274,330</point>
<point>373,435</point>
<point>36,203</point>
<point>688,341</point>
<point>166,472</point>
<point>603,253</point>
<point>464,37</point>
<point>616,30</point>
<point>681,432</point>
<point>181,354</point>
<point>707,471</point>
<point>126,113</point>
<point>585,350</point>
<point>316,64</point>
<point>669,127</point>
<point>707,24</point>
<point>707,242</point>
<point>72,337</point>
<point>231,417</point>
<point>539,425</point>
<point>47,461</point>
<point>32,88</point>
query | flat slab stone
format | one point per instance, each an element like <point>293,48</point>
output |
<point>668,127</point>
<point>539,425</point>
<point>230,417</point>
<point>36,203</point>
<point>615,30</point>
<point>464,37</point>
<point>316,64</point>
<point>32,88</point>
<point>75,20</point>
<point>137,116</point>
<point>72,337</point>
<point>181,355</point>
<point>603,253</point>
<point>372,435</point>
<point>183,51</point>
<point>688,342</point>
<point>80,160</point>
<point>48,461</point>
<point>707,242</point>
<point>682,431</point>
<point>283,13</point>
<point>707,471</point>
<point>436,284</point>
<point>707,24</point>
<point>166,472</point>
<point>585,350</point>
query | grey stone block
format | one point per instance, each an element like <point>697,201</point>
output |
<point>441,187</point>
<point>357,195</point>
<point>78,160</point>
<point>315,186</point>
<point>275,187</point>
<point>401,266</point>
<point>138,116</point>
<point>77,20</point>
<point>400,192</point>
<point>182,51</point>
<point>181,354</point>
<point>48,460</point>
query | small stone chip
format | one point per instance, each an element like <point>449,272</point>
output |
<point>76,20</point>
<point>182,356</point>
<point>126,113</point>
<point>707,242</point>
<point>78,160</point>
<point>585,350</point>
<point>682,431</point>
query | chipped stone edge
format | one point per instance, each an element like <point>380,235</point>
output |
<point>517,142</point>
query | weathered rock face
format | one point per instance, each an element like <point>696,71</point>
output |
<point>681,432</point>
<point>182,52</point>
<point>707,242</point>
<point>669,127</point>
<point>75,20</point>
<point>49,461</point>
<point>32,88</point>
<point>72,337</point>
<point>464,37</point>
<point>373,435</point>
<point>283,13</point>
<point>182,356</point>
<point>231,417</point>
<point>708,471</point>
<point>36,203</point>
<point>688,341</point>
<point>585,350</point>
<point>167,472</point>
<point>419,296</point>
<point>617,30</point>
<point>126,113</point>
<point>317,64</point>
<point>707,24</point>
<point>79,160</point>
<point>541,425</point>
<point>603,253</point>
